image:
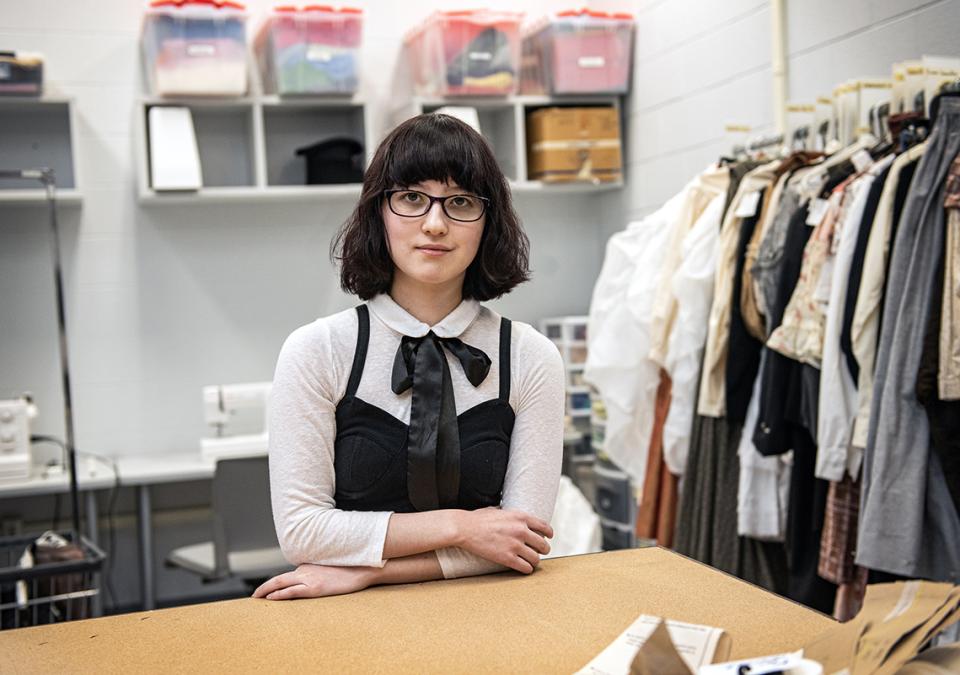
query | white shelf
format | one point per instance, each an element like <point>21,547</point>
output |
<point>536,186</point>
<point>67,197</point>
<point>225,195</point>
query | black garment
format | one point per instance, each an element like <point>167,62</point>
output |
<point>370,450</point>
<point>807,506</point>
<point>778,393</point>
<point>743,356</point>
<point>856,272</point>
<point>737,172</point>
<point>899,199</point>
<point>943,416</point>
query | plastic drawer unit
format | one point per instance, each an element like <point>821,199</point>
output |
<point>195,48</point>
<point>616,536</point>
<point>466,53</point>
<point>21,74</point>
<point>311,51</point>
<point>578,52</point>
<point>614,498</point>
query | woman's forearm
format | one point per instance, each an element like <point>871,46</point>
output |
<point>409,534</point>
<point>408,570</point>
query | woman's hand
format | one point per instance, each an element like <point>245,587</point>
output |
<point>511,538</point>
<point>316,581</point>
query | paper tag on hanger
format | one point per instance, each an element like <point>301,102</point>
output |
<point>818,209</point>
<point>861,160</point>
<point>748,205</point>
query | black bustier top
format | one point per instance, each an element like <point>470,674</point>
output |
<point>370,450</point>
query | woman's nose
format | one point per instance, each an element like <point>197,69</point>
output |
<point>434,222</point>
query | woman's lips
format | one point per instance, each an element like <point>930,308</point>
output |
<point>434,252</point>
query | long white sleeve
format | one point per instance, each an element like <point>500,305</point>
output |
<point>536,446</point>
<point>302,429</point>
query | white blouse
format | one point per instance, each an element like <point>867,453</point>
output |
<point>311,378</point>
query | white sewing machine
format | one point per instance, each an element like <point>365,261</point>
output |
<point>238,413</point>
<point>15,458</point>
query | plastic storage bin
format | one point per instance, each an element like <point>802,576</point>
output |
<point>21,74</point>
<point>459,53</point>
<point>578,52</point>
<point>195,48</point>
<point>315,50</point>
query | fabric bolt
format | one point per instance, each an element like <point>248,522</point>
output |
<point>712,397</point>
<point>620,311</point>
<point>838,389</point>
<point>312,376</point>
<point>772,435</point>
<point>908,521</point>
<point>949,374</point>
<point>697,197</point>
<point>865,329</point>
<point>693,289</point>
<point>764,486</point>
<point>657,514</point>
<point>800,334</point>
<point>744,348</point>
<point>856,270</point>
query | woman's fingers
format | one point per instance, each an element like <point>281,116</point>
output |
<point>275,584</point>
<point>530,556</point>
<point>537,543</point>
<point>541,527</point>
<point>289,593</point>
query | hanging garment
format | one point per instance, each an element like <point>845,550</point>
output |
<point>619,337</point>
<point>865,330</point>
<point>838,545</point>
<point>712,397</point>
<point>838,390</point>
<point>949,375</point>
<point>764,487</point>
<point>657,514</point>
<point>856,271</point>
<point>693,290</point>
<point>908,522</point>
<point>707,515</point>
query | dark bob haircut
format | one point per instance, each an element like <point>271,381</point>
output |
<point>441,148</point>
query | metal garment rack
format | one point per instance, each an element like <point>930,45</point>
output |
<point>48,181</point>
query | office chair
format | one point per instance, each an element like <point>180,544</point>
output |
<point>244,542</point>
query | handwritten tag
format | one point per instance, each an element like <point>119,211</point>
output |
<point>748,205</point>
<point>817,211</point>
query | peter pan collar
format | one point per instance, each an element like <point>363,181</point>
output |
<point>400,320</point>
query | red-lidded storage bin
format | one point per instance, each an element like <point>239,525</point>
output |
<point>578,52</point>
<point>195,47</point>
<point>466,53</point>
<point>314,50</point>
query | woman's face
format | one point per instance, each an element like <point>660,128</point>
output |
<point>432,249</point>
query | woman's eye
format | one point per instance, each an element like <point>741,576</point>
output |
<point>461,201</point>
<point>412,197</point>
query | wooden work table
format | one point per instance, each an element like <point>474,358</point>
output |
<point>553,621</point>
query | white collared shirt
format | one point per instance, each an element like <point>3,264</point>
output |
<point>311,378</point>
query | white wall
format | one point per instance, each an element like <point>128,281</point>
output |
<point>700,65</point>
<point>165,299</point>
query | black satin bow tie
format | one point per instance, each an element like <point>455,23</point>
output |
<point>433,442</point>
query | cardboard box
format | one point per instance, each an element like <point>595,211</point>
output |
<point>574,144</point>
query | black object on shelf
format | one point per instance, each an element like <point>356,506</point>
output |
<point>333,161</point>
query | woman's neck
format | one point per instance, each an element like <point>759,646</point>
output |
<point>428,304</point>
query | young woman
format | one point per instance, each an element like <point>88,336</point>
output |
<point>418,436</point>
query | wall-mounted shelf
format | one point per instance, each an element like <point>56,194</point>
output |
<point>503,121</point>
<point>39,133</point>
<point>247,147</point>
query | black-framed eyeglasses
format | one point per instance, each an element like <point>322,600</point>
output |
<point>413,203</point>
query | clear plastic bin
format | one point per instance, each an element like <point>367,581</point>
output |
<point>195,48</point>
<point>474,53</point>
<point>315,50</point>
<point>578,52</point>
